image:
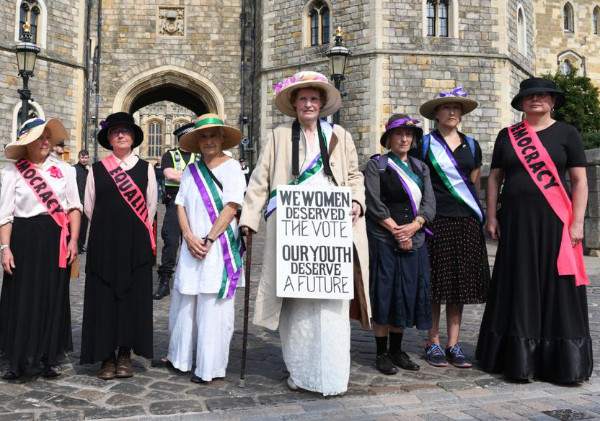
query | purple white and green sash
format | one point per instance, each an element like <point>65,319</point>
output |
<point>232,249</point>
<point>412,184</point>
<point>313,168</point>
<point>452,176</point>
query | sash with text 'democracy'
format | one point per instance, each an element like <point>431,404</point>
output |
<point>44,193</point>
<point>452,176</point>
<point>131,193</point>
<point>540,167</point>
<point>231,245</point>
<point>312,168</point>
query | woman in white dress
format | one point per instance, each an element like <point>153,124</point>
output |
<point>210,265</point>
<point>315,333</point>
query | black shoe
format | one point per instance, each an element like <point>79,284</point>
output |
<point>197,380</point>
<point>402,360</point>
<point>162,291</point>
<point>385,364</point>
<point>11,374</point>
<point>82,250</point>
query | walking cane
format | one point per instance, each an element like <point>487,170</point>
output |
<point>246,306</point>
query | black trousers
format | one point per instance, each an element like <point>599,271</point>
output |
<point>171,236</point>
<point>82,231</point>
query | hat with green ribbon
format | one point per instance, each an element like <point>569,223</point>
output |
<point>190,141</point>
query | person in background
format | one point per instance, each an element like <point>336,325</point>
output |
<point>82,170</point>
<point>58,150</point>
<point>160,181</point>
<point>245,169</point>
<point>173,163</point>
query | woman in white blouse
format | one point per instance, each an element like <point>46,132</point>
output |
<point>209,268</point>
<point>40,213</point>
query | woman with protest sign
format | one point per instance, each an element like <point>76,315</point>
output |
<point>315,333</point>
<point>40,213</point>
<point>120,202</point>
<point>535,323</point>
<point>460,270</point>
<point>400,201</point>
<point>210,265</point>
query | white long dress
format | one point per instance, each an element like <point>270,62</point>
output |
<point>315,334</point>
<point>197,318</point>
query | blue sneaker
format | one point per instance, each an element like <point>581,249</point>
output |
<point>455,356</point>
<point>435,355</point>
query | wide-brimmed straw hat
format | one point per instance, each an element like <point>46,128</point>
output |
<point>119,119</point>
<point>401,120</point>
<point>30,131</point>
<point>307,79</point>
<point>457,95</point>
<point>189,141</point>
<point>538,85</point>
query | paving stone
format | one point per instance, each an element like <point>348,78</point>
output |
<point>568,414</point>
<point>281,398</point>
<point>60,416</point>
<point>158,395</point>
<point>17,416</point>
<point>90,395</point>
<point>175,407</point>
<point>127,388</point>
<point>121,400</point>
<point>170,387</point>
<point>20,404</point>
<point>123,412</point>
<point>456,385</point>
<point>214,404</point>
<point>68,402</point>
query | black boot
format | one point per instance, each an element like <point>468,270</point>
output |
<point>163,289</point>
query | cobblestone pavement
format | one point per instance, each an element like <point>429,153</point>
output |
<point>430,394</point>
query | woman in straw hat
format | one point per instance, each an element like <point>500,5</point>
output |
<point>210,265</point>
<point>39,210</point>
<point>400,201</point>
<point>535,323</point>
<point>315,333</point>
<point>120,202</point>
<point>459,266</point>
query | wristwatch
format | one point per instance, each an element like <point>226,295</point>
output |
<point>4,246</point>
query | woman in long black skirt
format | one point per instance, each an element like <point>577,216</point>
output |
<point>400,201</point>
<point>120,201</point>
<point>535,323</point>
<point>39,209</point>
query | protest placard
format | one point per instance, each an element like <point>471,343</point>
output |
<point>314,242</point>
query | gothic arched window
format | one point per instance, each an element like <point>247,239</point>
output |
<point>438,18</point>
<point>521,32</point>
<point>568,19</point>
<point>155,139</point>
<point>319,19</point>
<point>595,16</point>
<point>29,12</point>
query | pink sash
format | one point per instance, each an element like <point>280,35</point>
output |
<point>543,172</point>
<point>50,200</point>
<point>130,193</point>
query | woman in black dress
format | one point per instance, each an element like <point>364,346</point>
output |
<point>535,323</point>
<point>399,202</point>
<point>120,201</point>
<point>39,208</point>
<point>460,271</point>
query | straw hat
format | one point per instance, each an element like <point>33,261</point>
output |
<point>119,119</point>
<point>538,85</point>
<point>307,79</point>
<point>457,95</point>
<point>189,141</point>
<point>30,131</point>
<point>401,120</point>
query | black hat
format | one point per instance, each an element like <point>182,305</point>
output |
<point>186,128</point>
<point>118,119</point>
<point>404,121</point>
<point>537,85</point>
<point>61,143</point>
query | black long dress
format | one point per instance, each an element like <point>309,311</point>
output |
<point>535,323</point>
<point>118,289</point>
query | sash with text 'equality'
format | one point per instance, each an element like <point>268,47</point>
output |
<point>131,193</point>
<point>51,202</point>
<point>313,168</point>
<point>411,183</point>
<point>540,167</point>
<point>232,250</point>
<point>452,176</point>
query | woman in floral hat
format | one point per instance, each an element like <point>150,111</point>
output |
<point>315,333</point>
<point>40,212</point>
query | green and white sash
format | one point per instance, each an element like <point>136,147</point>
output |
<point>452,176</point>
<point>313,168</point>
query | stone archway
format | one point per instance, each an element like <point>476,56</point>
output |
<point>190,89</point>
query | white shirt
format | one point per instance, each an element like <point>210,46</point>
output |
<point>194,276</point>
<point>126,164</point>
<point>17,199</point>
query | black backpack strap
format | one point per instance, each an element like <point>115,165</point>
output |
<point>324,151</point>
<point>295,148</point>
<point>418,166</point>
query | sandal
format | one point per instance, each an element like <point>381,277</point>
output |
<point>11,374</point>
<point>52,371</point>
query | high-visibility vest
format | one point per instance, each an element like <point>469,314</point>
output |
<point>179,164</point>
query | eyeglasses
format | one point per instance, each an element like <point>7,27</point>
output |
<point>120,130</point>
